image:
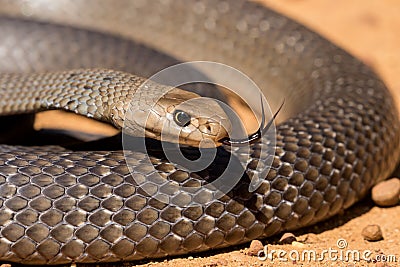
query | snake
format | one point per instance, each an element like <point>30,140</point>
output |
<point>338,134</point>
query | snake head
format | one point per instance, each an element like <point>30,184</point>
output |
<point>180,117</point>
<point>191,120</point>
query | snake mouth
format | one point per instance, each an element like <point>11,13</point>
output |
<point>258,134</point>
<point>207,135</point>
<point>243,141</point>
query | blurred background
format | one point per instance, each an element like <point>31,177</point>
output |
<point>369,29</point>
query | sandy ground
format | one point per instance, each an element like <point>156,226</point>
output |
<point>369,30</point>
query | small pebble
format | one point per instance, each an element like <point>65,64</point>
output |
<point>387,193</point>
<point>372,232</point>
<point>287,238</point>
<point>255,247</point>
<point>298,244</point>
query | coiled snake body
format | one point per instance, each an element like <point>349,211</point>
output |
<point>339,135</point>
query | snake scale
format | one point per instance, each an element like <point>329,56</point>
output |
<point>339,133</point>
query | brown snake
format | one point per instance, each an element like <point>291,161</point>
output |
<point>339,133</point>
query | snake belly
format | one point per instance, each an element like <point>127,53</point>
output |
<point>339,135</point>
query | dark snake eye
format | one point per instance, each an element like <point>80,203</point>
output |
<point>181,118</point>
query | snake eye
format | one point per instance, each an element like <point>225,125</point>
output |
<point>181,118</point>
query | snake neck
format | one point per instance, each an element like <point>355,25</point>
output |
<point>96,93</point>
